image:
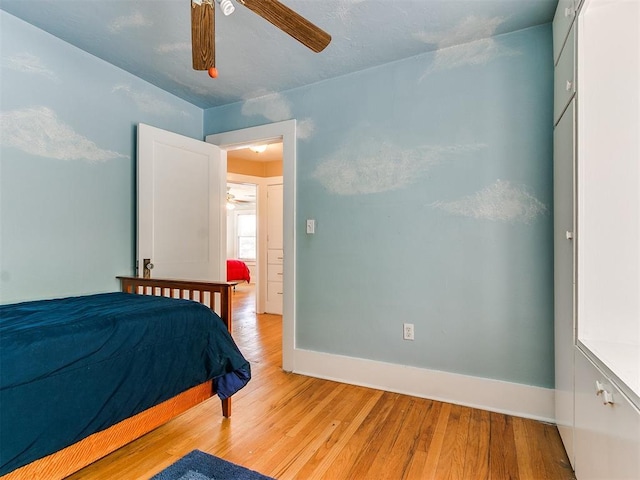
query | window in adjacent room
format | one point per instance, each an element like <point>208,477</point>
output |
<point>246,236</point>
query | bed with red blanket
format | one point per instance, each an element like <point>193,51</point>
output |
<point>237,270</point>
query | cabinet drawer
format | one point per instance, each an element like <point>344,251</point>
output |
<point>607,436</point>
<point>274,291</point>
<point>564,78</point>
<point>562,21</point>
<point>275,256</point>
<point>274,273</point>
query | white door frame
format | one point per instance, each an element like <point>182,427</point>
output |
<point>286,132</point>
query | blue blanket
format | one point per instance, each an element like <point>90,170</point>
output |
<point>75,366</point>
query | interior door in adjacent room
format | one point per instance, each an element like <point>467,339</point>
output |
<point>181,207</point>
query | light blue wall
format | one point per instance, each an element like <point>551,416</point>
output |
<point>67,171</point>
<point>430,180</point>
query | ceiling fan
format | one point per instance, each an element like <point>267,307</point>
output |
<point>278,14</point>
<point>232,200</point>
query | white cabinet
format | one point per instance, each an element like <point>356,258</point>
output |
<point>275,253</point>
<point>608,178</point>
<point>597,415</point>
<point>607,427</point>
<point>275,290</point>
<point>564,108</point>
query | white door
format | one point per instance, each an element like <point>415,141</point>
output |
<point>181,206</point>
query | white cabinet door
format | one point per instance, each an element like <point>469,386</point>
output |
<point>562,21</point>
<point>564,85</point>
<point>181,206</point>
<point>607,435</point>
<point>274,217</point>
<point>563,180</point>
<point>275,253</point>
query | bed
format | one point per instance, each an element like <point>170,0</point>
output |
<point>237,271</point>
<point>83,376</point>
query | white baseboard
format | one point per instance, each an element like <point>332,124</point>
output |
<point>484,393</point>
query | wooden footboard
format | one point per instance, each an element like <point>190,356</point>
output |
<point>77,456</point>
<point>203,292</point>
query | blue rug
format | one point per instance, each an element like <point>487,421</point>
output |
<point>198,465</point>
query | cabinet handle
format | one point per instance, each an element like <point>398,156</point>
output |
<point>569,235</point>
<point>569,86</point>
<point>568,12</point>
<point>607,397</point>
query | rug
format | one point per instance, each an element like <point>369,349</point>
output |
<point>198,465</point>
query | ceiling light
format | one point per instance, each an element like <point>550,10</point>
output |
<point>258,148</point>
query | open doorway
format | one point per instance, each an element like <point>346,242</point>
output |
<point>284,132</point>
<point>242,233</point>
<point>255,214</point>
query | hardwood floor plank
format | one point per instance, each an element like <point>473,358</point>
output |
<point>435,447</point>
<point>476,464</point>
<point>427,429</point>
<point>291,426</point>
<point>289,467</point>
<point>352,426</point>
<point>502,448</point>
<point>306,433</point>
<point>365,441</point>
<point>310,414</point>
<point>454,447</point>
<point>528,466</point>
<point>390,457</point>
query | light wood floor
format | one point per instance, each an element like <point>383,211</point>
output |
<point>291,426</point>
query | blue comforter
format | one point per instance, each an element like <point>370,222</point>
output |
<point>75,366</point>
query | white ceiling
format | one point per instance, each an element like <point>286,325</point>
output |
<point>151,38</point>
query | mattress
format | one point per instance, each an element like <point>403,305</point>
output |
<point>238,270</point>
<point>75,366</point>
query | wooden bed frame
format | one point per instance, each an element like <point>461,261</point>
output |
<point>77,456</point>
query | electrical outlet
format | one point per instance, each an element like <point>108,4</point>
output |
<point>407,332</point>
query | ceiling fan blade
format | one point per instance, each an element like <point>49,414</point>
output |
<point>203,46</point>
<point>290,22</point>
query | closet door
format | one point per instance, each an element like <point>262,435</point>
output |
<point>562,21</point>
<point>564,78</point>
<point>563,181</point>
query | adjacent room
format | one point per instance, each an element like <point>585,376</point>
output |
<point>401,210</point>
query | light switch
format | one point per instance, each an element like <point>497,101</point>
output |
<point>311,226</point>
